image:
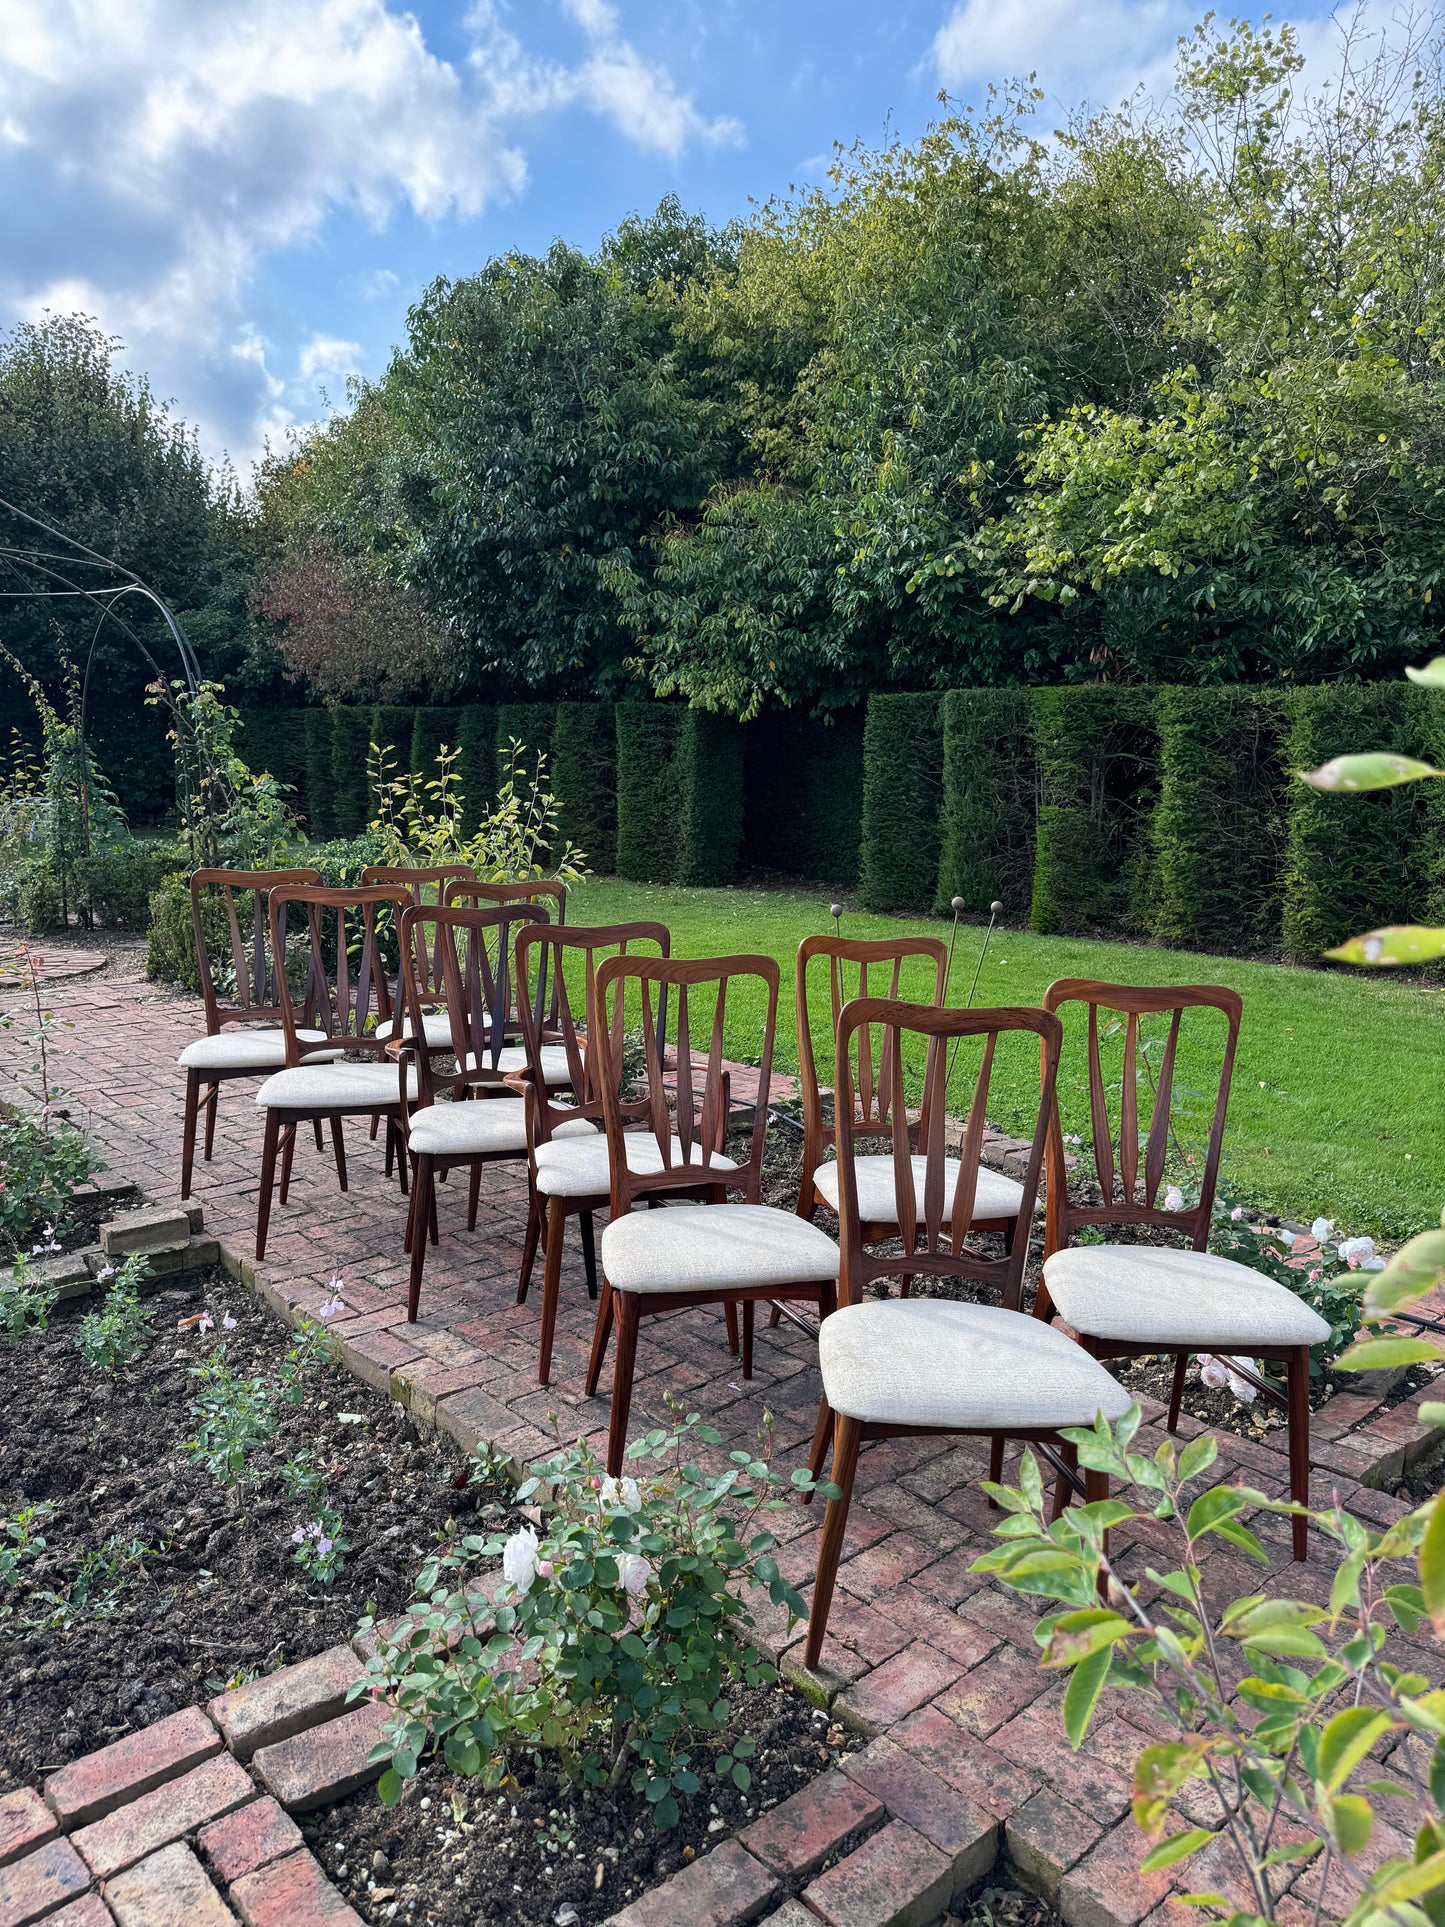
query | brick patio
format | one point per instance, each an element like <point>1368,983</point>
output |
<point>924,1654</point>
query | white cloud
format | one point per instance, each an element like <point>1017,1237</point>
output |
<point>327,355</point>
<point>175,144</point>
<point>1101,48</point>
<point>378,283</point>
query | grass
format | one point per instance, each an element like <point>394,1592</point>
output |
<point>1336,1104</point>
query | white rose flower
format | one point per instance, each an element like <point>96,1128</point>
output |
<point>519,1560</point>
<point>1214,1375</point>
<point>1357,1252</point>
<point>1174,1199</point>
<point>1321,1229</point>
<point>1241,1387</point>
<point>620,1495</point>
<point>633,1572</point>
<point>1286,1238</point>
<point>1372,1264</point>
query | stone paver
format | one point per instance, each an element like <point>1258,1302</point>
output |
<point>215,1787</point>
<point>170,1889</point>
<point>723,1889</point>
<point>249,1838</point>
<point>38,1882</point>
<point>89,1911</point>
<point>966,1832</point>
<point>326,1762</point>
<point>293,1892</point>
<point>280,1704</point>
<point>896,1879</point>
<point>797,1836</point>
<point>91,1787</point>
<point>25,1821</point>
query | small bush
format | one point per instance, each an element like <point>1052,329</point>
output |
<point>43,1170</point>
<point>902,798</point>
<point>38,900</point>
<point>171,949</point>
<point>117,885</point>
<point>110,1338</point>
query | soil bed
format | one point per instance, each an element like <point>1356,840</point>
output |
<point>216,1595</point>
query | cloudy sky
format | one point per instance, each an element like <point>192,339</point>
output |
<point>251,192</point>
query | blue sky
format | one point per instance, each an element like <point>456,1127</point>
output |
<point>251,192</point>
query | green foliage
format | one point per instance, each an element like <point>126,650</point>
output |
<point>393,729</point>
<point>320,1547</point>
<point>21,1540</point>
<point>320,796</point>
<point>1312,1268</point>
<point>707,779</point>
<point>273,742</point>
<point>584,773</point>
<point>1286,1752</point>
<point>116,885</point>
<point>522,723</point>
<point>170,941</point>
<point>93,1590</point>
<point>236,1417</point>
<point>902,792</point>
<point>803,802</point>
<point>989,801</point>
<point>1219,824</point>
<point>615,1637</point>
<point>477,761</point>
<point>1097,751</point>
<point>25,1307</point>
<point>44,1158</point>
<point>110,1338</point>
<point>647,803</point>
<point>350,740</point>
<point>38,903</point>
<point>432,730</point>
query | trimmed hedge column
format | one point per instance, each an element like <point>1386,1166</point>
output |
<point>1097,750</point>
<point>532,725</point>
<point>708,783</point>
<point>274,740</point>
<point>584,778</point>
<point>320,799</point>
<point>476,728</point>
<point>647,735</point>
<point>990,800</point>
<point>803,802</point>
<point>902,795</point>
<point>391,729</point>
<point>350,741</point>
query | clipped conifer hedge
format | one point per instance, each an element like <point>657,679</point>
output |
<point>320,803</point>
<point>803,794</point>
<point>990,802</point>
<point>647,736</point>
<point>902,799</point>
<point>350,744</point>
<point>476,727</point>
<point>707,779</point>
<point>584,779</point>
<point>1096,749</point>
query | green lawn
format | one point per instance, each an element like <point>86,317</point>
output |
<point>1337,1096</point>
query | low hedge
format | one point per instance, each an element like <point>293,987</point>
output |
<point>116,886</point>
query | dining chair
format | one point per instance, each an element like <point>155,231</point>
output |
<point>469,1112</point>
<point>725,1252</point>
<point>423,884</point>
<point>550,895</point>
<point>1143,1300</point>
<point>358,1077</point>
<point>909,1367</point>
<point>571,1176</point>
<point>244,1034</point>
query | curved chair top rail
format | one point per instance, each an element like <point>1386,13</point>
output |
<point>416,877</point>
<point>944,1220</point>
<point>872,1094</point>
<point>553,942</point>
<point>521,890</point>
<point>256,994</point>
<point>690,1130</point>
<point>1120,1185</point>
<point>344,1006</point>
<point>445,953</point>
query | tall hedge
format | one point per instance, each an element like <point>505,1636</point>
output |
<point>1218,828</point>
<point>708,783</point>
<point>647,735</point>
<point>584,779</point>
<point>1353,862</point>
<point>902,794</point>
<point>1097,753</point>
<point>275,740</point>
<point>320,787</point>
<point>477,764</point>
<point>350,742</point>
<point>990,801</point>
<point>803,794</point>
<point>430,729</point>
<point>391,729</point>
<point>530,724</point>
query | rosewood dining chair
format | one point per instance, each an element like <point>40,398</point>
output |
<point>902,1367</point>
<point>1138,1300</point>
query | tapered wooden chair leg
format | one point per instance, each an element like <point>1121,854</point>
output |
<point>1299,1445</point>
<point>730,1313</point>
<point>339,1149</point>
<point>1176,1390</point>
<point>629,1313</point>
<point>410,1231</point>
<point>421,1204</point>
<point>213,1098</point>
<point>375,1121</point>
<point>390,1145</point>
<point>775,1316</point>
<point>589,1251</point>
<point>268,1179</point>
<point>535,1209</point>
<point>847,1436</point>
<point>995,1466</point>
<point>188,1130</point>
<point>474,1197</point>
<point>316,1128</point>
<point>433,1231</point>
<point>288,1152</point>
<point>551,1288</point>
<point>822,1439</point>
<point>1063,1491</point>
<point>602,1331</point>
<point>748,1313</point>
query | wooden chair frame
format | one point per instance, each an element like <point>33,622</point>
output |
<point>553,943</point>
<point>256,998</point>
<point>478,997</point>
<point>343,1008</point>
<point>548,892</point>
<point>1120,1187</point>
<point>701,1119</point>
<point>943,1252</point>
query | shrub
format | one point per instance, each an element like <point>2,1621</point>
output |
<point>38,902</point>
<point>803,799</point>
<point>392,729</point>
<point>1097,761</point>
<point>117,885</point>
<point>110,1338</point>
<point>902,794</point>
<point>43,1170</point>
<point>647,736</point>
<point>584,775</point>
<point>350,740</point>
<point>25,1307</point>
<point>431,729</point>
<point>708,784</point>
<point>624,1606</point>
<point>171,948</point>
<point>989,801</point>
<point>274,741</point>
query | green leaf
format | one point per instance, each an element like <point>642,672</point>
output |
<point>1219,1502</point>
<point>1437,1774</point>
<point>1384,1354</point>
<point>1350,1821</point>
<point>1346,1740</point>
<point>1376,769</point>
<point>1432,1565</point>
<point>390,1787</point>
<point>1197,1457</point>
<point>1396,943</point>
<point>742,1777</point>
<point>1081,1695</point>
<point>1178,1848</point>
<point>1433,673</point>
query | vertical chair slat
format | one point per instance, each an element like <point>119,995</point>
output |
<point>905,1201</point>
<point>931,1143</point>
<point>714,1113</point>
<point>1158,1144</point>
<point>684,1076</point>
<point>1099,1112</point>
<point>1129,1108</point>
<point>970,1151</point>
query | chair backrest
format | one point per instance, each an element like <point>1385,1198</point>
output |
<point>346,990</point>
<point>873,1091</point>
<point>1147,1122</point>
<point>692,1106</point>
<point>254,969</point>
<point>549,891</point>
<point>469,951</point>
<point>547,951</point>
<point>933,1240</point>
<point>425,885</point>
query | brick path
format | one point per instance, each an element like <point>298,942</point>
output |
<point>922,1653</point>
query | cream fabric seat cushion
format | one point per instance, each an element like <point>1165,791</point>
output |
<point>514,1058</point>
<point>244,1047</point>
<point>491,1125</point>
<point>995,1197</point>
<point>435,1024</point>
<point>335,1087</point>
<point>722,1247</point>
<point>930,1362</point>
<point>1143,1294</point>
<point>582,1169</point>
